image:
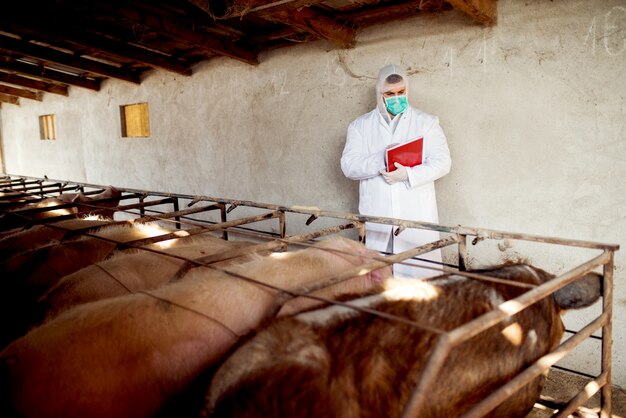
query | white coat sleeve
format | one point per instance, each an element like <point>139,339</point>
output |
<point>437,163</point>
<point>356,163</point>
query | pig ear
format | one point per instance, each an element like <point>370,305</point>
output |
<point>583,292</point>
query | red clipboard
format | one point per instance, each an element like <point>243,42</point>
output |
<point>408,154</point>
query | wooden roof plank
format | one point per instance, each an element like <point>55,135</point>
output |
<point>179,30</point>
<point>375,15</point>
<point>7,98</point>
<point>92,44</point>
<point>483,11</point>
<point>33,84</point>
<point>47,74</point>
<point>54,56</point>
<point>308,20</point>
<point>14,91</point>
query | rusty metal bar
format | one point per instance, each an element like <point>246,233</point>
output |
<point>6,180</point>
<point>606,403</point>
<point>431,371</point>
<point>176,209</point>
<point>31,222</point>
<point>479,232</point>
<point>282,227</point>
<point>202,229</point>
<point>483,277</point>
<point>513,306</point>
<point>534,370</point>
<point>367,268</point>
<point>275,244</point>
<point>85,231</point>
<point>19,182</point>
<point>8,204</point>
<point>486,321</point>
<point>180,213</point>
<point>142,212</point>
<point>223,217</point>
<point>39,186</point>
<point>462,252</point>
<point>23,194</point>
<point>67,205</point>
<point>584,395</point>
<point>362,232</point>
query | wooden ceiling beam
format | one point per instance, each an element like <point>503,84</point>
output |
<point>68,60</point>
<point>27,94</point>
<point>226,9</point>
<point>33,84</point>
<point>387,13</point>
<point>6,98</point>
<point>47,74</point>
<point>483,11</point>
<point>180,31</point>
<point>308,20</point>
<point>92,44</point>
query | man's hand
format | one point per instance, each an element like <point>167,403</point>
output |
<point>400,174</point>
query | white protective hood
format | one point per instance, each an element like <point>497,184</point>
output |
<point>385,72</point>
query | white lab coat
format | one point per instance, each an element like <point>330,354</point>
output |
<point>414,199</point>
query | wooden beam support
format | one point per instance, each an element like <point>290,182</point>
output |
<point>483,11</point>
<point>6,98</point>
<point>225,9</point>
<point>65,31</point>
<point>13,91</point>
<point>397,11</point>
<point>308,20</point>
<point>68,60</point>
<point>176,30</point>
<point>238,8</point>
<point>42,73</point>
<point>33,84</point>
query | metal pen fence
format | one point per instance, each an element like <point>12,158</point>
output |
<point>209,214</point>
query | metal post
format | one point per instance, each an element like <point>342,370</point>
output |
<point>462,252</point>
<point>176,209</point>
<point>282,224</point>
<point>362,232</point>
<point>142,212</point>
<point>223,213</point>
<point>607,336</point>
<point>2,164</point>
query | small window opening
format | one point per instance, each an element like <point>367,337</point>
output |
<point>135,120</point>
<point>47,129</point>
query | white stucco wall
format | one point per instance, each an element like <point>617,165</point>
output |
<point>533,109</point>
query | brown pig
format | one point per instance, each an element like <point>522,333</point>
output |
<point>340,362</point>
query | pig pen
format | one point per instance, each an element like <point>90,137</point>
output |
<point>281,228</point>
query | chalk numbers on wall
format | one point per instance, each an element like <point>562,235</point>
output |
<point>608,32</point>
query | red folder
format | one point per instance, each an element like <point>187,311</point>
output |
<point>408,154</point>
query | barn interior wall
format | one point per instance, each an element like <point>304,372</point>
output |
<point>533,109</point>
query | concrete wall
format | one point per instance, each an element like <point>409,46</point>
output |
<point>533,109</point>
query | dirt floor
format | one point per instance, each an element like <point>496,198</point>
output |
<point>562,386</point>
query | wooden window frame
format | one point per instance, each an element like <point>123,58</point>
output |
<point>135,120</point>
<point>47,128</point>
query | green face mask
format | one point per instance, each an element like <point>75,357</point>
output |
<point>396,104</point>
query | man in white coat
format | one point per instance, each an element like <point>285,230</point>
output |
<point>407,192</point>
